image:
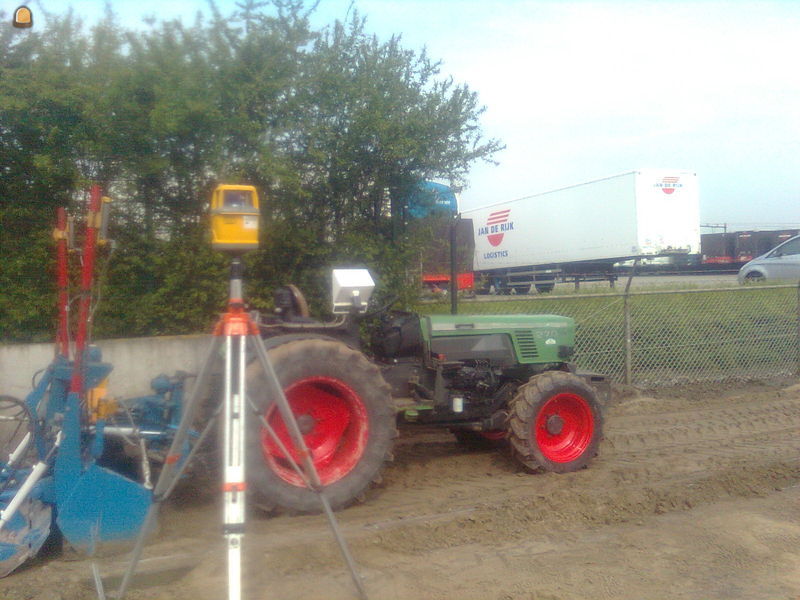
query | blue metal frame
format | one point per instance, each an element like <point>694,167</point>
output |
<point>93,504</point>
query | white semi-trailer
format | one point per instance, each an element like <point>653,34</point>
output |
<point>586,228</point>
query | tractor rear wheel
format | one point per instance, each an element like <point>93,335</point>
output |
<point>344,410</point>
<point>555,423</point>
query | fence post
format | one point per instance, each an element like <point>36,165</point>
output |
<point>797,342</point>
<point>626,307</point>
<point>454,265</point>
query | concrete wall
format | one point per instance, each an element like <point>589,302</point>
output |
<point>136,361</point>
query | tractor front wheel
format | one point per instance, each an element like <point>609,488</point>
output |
<point>555,423</point>
<point>343,408</point>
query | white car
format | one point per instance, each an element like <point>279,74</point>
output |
<point>780,263</point>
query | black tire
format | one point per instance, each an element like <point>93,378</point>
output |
<point>544,288</point>
<point>555,423</point>
<point>754,277</point>
<point>324,375</point>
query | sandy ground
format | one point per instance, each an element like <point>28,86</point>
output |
<point>695,494</point>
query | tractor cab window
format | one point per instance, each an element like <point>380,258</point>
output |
<point>237,199</point>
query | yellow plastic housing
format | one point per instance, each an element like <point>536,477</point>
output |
<point>234,218</point>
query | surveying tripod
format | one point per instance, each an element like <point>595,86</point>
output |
<point>237,331</point>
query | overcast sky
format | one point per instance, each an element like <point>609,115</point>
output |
<point>580,90</point>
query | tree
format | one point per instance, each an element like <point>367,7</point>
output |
<point>42,128</point>
<point>333,126</point>
<point>370,121</point>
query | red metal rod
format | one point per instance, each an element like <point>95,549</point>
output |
<point>87,274</point>
<point>62,281</point>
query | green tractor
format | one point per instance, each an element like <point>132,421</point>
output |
<point>486,378</point>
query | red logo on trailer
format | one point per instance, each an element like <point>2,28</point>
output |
<point>496,226</point>
<point>669,184</point>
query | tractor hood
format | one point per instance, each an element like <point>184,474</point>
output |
<point>534,338</point>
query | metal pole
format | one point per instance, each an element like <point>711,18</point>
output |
<point>454,265</point>
<point>62,279</point>
<point>628,335</point>
<point>87,277</point>
<point>234,480</point>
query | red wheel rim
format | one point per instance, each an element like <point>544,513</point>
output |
<point>564,427</point>
<point>334,424</point>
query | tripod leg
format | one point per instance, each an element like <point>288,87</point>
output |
<point>169,473</point>
<point>195,447</point>
<point>172,469</point>
<point>326,506</point>
<point>310,470</point>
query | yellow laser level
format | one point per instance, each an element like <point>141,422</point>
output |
<point>234,218</point>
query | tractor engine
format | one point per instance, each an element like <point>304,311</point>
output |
<point>474,379</point>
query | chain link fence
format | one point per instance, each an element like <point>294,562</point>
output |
<point>656,338</point>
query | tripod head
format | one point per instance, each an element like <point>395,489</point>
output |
<point>235,217</point>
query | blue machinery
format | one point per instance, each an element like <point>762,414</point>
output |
<point>93,503</point>
<point>56,438</point>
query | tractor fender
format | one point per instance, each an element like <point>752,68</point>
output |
<point>600,383</point>
<point>279,340</point>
